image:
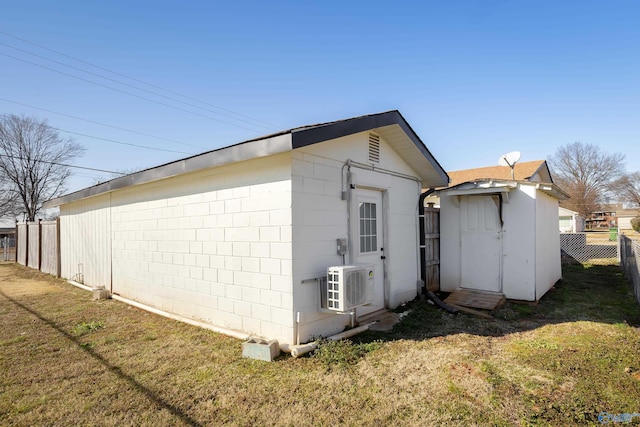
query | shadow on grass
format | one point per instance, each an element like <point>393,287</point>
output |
<point>150,394</point>
<point>597,293</point>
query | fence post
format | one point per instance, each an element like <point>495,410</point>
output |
<point>26,243</point>
<point>39,244</point>
<point>17,242</point>
<point>58,250</point>
<point>619,249</point>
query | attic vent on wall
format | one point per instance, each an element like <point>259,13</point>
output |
<point>374,148</point>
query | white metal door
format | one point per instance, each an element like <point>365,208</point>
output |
<point>368,242</point>
<point>481,243</point>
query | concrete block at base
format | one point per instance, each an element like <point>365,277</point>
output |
<point>99,294</point>
<point>259,349</point>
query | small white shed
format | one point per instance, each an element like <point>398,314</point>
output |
<point>570,221</point>
<point>238,237</point>
<point>500,236</point>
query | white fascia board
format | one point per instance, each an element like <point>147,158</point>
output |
<point>236,153</point>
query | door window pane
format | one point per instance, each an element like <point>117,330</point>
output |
<point>368,227</point>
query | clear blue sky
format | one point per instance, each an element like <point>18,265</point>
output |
<point>475,79</point>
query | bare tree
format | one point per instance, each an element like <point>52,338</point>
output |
<point>113,175</point>
<point>587,174</point>
<point>33,164</point>
<point>628,189</point>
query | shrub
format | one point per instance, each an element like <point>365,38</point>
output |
<point>635,223</point>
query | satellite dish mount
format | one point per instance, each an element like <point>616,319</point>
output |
<point>510,159</point>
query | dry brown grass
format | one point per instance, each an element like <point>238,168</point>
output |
<point>68,360</point>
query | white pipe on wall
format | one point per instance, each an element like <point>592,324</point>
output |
<point>218,329</point>
<point>299,350</point>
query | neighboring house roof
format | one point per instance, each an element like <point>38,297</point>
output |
<point>628,213</point>
<point>536,170</point>
<point>7,225</point>
<point>390,125</point>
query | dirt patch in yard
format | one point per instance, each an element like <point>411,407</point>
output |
<point>16,282</point>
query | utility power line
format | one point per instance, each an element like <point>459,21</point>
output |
<point>102,124</point>
<point>274,126</point>
<point>128,85</point>
<point>125,92</point>
<point>61,164</point>
<point>112,140</point>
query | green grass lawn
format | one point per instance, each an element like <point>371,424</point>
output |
<point>68,360</point>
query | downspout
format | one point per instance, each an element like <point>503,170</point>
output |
<point>423,273</point>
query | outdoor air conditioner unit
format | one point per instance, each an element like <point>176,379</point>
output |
<point>348,286</point>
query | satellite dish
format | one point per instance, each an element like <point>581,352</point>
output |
<point>510,159</point>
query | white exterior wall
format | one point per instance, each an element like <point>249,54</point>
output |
<point>85,241</point>
<point>570,221</point>
<point>214,245</point>
<point>234,245</point>
<point>548,266</point>
<point>320,217</point>
<point>530,244</point>
<point>519,244</point>
<point>624,223</point>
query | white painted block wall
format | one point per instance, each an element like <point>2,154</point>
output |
<point>320,217</point>
<point>220,253</point>
<point>85,241</point>
<point>212,245</point>
<point>233,245</point>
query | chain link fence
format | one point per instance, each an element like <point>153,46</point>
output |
<point>594,248</point>
<point>630,262</point>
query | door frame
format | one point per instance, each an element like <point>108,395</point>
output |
<point>354,231</point>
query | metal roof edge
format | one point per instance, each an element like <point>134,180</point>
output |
<point>275,144</point>
<point>259,147</point>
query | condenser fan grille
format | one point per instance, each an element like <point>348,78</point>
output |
<point>356,287</point>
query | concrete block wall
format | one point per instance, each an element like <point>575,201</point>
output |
<point>211,246</point>
<point>320,217</point>
<point>85,241</point>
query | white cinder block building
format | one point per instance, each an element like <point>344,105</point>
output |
<point>238,237</point>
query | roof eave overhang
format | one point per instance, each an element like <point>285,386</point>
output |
<point>430,172</point>
<point>500,186</point>
<point>553,191</point>
<point>414,152</point>
<point>245,151</point>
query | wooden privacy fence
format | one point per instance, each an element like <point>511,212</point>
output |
<point>430,249</point>
<point>38,246</point>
